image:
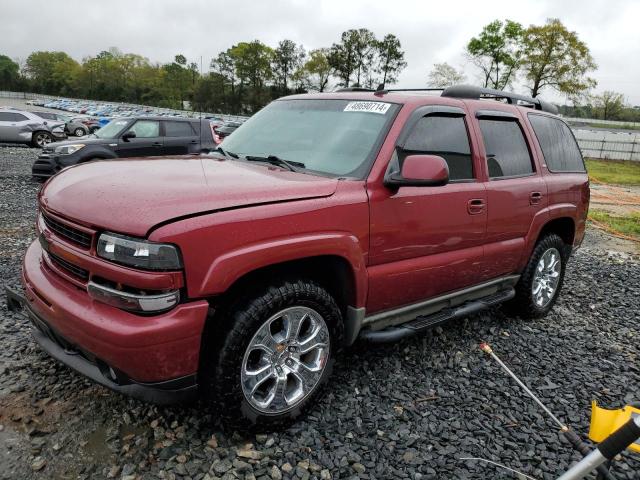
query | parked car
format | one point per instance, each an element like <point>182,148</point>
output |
<point>17,126</point>
<point>126,137</point>
<point>324,219</point>
<point>72,126</point>
<point>226,129</point>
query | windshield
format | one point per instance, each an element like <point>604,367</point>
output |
<point>111,129</point>
<point>336,137</point>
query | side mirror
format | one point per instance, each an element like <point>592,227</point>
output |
<point>128,135</point>
<point>420,171</point>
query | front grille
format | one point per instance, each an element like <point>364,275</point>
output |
<point>72,234</point>
<point>74,270</point>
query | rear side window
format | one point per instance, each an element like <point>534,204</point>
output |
<point>178,129</point>
<point>5,117</point>
<point>559,147</point>
<point>447,137</point>
<point>18,117</point>
<point>507,151</point>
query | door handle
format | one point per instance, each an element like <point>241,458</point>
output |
<point>156,144</point>
<point>535,198</point>
<point>194,142</point>
<point>475,206</point>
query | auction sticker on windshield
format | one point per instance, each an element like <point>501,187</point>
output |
<point>369,107</point>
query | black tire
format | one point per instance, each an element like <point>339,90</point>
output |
<point>524,304</point>
<point>40,139</point>
<point>79,132</point>
<point>228,338</point>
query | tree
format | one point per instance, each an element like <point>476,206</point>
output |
<point>497,51</point>
<point>252,62</point>
<point>9,73</point>
<point>318,70</point>
<point>609,105</point>
<point>444,75</point>
<point>390,58</point>
<point>52,72</point>
<point>353,55</point>
<point>287,59</point>
<point>555,57</point>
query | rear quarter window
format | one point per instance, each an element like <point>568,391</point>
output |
<point>506,148</point>
<point>559,146</point>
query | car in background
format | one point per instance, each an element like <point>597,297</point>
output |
<point>227,129</point>
<point>127,137</point>
<point>17,126</point>
<point>72,126</point>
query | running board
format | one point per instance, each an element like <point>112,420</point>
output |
<point>424,323</point>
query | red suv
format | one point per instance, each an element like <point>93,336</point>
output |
<point>323,219</point>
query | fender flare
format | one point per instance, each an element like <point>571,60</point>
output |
<point>234,264</point>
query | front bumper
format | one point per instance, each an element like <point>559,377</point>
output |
<point>143,356</point>
<point>45,166</point>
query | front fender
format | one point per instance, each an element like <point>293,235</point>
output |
<point>233,265</point>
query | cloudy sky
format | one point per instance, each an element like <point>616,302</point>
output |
<point>430,31</point>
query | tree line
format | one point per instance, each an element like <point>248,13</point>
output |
<point>240,80</point>
<point>248,75</point>
<point>540,57</point>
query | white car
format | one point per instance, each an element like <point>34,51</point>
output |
<point>17,126</point>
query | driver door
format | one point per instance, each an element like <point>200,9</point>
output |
<point>147,142</point>
<point>426,241</point>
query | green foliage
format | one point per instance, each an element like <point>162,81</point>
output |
<point>241,79</point>
<point>444,75</point>
<point>626,224</point>
<point>497,52</point>
<point>608,105</point>
<point>616,172</point>
<point>9,73</point>
<point>556,58</point>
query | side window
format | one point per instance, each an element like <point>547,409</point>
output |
<point>507,151</point>
<point>178,129</point>
<point>146,128</point>
<point>6,117</point>
<point>559,147</point>
<point>447,137</point>
<point>18,117</point>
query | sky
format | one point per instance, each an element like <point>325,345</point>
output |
<point>430,32</point>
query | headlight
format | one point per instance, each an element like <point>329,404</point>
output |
<point>69,149</point>
<point>138,253</point>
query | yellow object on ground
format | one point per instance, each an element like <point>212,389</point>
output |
<point>604,422</point>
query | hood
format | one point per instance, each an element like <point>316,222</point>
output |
<point>132,196</point>
<point>85,140</point>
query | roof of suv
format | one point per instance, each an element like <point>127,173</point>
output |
<point>452,96</point>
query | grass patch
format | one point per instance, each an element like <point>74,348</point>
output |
<point>620,172</point>
<point>628,224</point>
<point>617,127</point>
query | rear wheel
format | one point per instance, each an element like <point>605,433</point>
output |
<point>79,132</point>
<point>541,281</point>
<point>41,139</point>
<point>275,356</point>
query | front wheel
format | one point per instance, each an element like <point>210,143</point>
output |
<point>79,132</point>
<point>276,355</point>
<point>41,139</point>
<point>541,281</point>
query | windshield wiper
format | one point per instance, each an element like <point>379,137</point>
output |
<point>225,153</point>
<point>274,160</point>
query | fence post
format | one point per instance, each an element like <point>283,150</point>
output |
<point>633,146</point>
<point>602,149</point>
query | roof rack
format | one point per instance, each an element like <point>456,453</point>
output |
<point>473,92</point>
<point>355,89</point>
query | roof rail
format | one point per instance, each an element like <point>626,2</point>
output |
<point>382,91</point>
<point>355,89</point>
<point>473,92</point>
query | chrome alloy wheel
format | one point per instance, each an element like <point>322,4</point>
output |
<point>546,277</point>
<point>43,139</point>
<point>285,360</point>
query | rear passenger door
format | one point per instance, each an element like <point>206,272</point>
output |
<point>179,138</point>
<point>426,241</point>
<point>515,189</point>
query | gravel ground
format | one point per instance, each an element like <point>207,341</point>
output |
<point>408,410</point>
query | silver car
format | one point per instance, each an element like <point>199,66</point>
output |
<point>17,126</point>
